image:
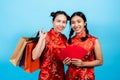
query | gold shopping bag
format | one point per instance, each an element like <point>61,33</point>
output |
<point>20,49</point>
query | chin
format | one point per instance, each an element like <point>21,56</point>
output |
<point>59,31</point>
<point>78,31</point>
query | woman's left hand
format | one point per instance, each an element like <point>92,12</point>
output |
<point>67,61</point>
<point>77,62</point>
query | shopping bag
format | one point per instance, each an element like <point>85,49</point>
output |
<point>20,48</point>
<point>22,61</point>
<point>31,65</point>
<point>18,52</point>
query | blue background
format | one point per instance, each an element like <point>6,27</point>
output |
<point>20,18</point>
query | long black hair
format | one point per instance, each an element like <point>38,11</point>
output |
<point>80,14</point>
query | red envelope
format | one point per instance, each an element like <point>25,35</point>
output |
<point>73,52</point>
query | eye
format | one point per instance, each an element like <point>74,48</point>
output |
<point>79,21</point>
<point>65,22</point>
<point>72,22</point>
<point>58,21</point>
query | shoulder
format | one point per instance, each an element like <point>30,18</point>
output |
<point>91,36</point>
<point>63,36</point>
<point>95,40</point>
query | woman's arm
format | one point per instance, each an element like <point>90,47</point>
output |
<point>98,55</point>
<point>37,51</point>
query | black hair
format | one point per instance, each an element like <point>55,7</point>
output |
<point>54,14</point>
<point>80,14</point>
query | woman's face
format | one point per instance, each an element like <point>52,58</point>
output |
<point>77,24</point>
<point>59,23</point>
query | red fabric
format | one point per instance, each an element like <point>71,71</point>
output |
<point>52,68</point>
<point>31,65</point>
<point>73,52</point>
<point>83,73</point>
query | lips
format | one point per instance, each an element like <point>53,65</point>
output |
<point>78,28</point>
<point>60,28</point>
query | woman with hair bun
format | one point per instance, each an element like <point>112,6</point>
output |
<point>49,46</point>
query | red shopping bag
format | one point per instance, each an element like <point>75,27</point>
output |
<point>31,65</point>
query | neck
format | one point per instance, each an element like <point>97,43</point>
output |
<point>56,31</point>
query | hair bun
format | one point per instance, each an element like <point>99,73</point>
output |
<point>52,14</point>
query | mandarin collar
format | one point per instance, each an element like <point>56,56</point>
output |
<point>53,32</point>
<point>80,35</point>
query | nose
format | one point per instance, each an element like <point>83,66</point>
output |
<point>76,24</point>
<point>63,25</point>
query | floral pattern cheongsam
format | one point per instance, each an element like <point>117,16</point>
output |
<point>85,73</point>
<point>51,67</point>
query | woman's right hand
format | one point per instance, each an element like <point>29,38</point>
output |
<point>67,61</point>
<point>42,34</point>
<point>37,51</point>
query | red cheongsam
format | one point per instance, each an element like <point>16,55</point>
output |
<point>51,67</point>
<point>77,73</point>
